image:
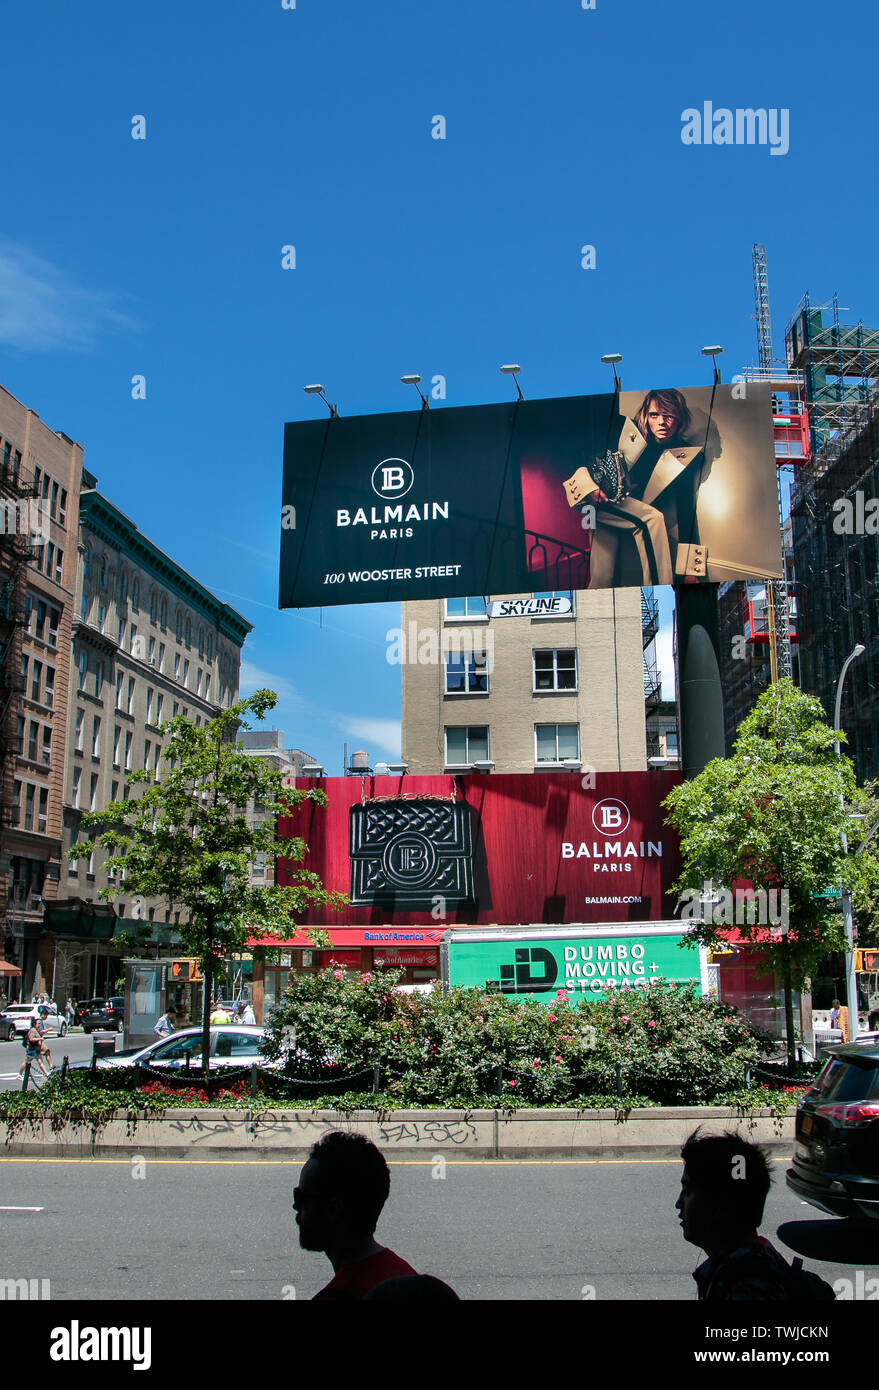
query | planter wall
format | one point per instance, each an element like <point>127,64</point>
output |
<point>402,1134</point>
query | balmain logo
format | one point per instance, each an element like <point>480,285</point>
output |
<point>404,853</point>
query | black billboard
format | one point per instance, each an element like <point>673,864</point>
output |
<point>656,487</point>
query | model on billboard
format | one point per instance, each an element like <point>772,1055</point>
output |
<point>644,498</point>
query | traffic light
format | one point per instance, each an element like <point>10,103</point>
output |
<point>867,960</point>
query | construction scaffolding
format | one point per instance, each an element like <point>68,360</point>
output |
<point>835,541</point>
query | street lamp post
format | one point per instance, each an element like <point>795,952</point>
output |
<point>851,982</point>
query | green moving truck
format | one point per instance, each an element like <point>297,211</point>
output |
<point>535,962</point>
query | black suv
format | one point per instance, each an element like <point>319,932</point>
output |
<point>107,1014</point>
<point>836,1158</point>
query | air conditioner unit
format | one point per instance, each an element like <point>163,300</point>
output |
<point>36,903</point>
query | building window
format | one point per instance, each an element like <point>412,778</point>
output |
<point>135,595</point>
<point>157,754</point>
<point>50,558</point>
<point>86,562</point>
<point>154,605</point>
<point>19,737</point>
<point>49,693</point>
<point>468,744</point>
<point>80,716</point>
<point>54,623</point>
<point>151,651</point>
<point>47,744</point>
<point>119,679</point>
<point>186,674</point>
<point>102,616</point>
<point>556,669</point>
<point>117,735</point>
<point>466,608</point>
<point>201,644</point>
<point>160,700</point>
<point>43,813</point>
<point>130,694</point>
<point>556,742</point>
<point>176,667</point>
<point>42,613</point>
<point>146,753</point>
<point>128,752</point>
<point>77,778</point>
<point>84,608</point>
<point>99,678</point>
<point>93,791</point>
<point>53,505</point>
<point>102,575</point>
<point>671,743</point>
<point>83,668</point>
<point>96,736</point>
<point>178,625</point>
<point>62,506</point>
<point>123,586</point>
<point>162,657</point>
<point>32,741</point>
<point>59,565</point>
<point>114,796</point>
<point>29,794</point>
<point>198,676</point>
<point>188,633</point>
<point>36,676</point>
<point>120,632</point>
<point>210,648</point>
<point>163,614</point>
<point>16,803</point>
<point>133,640</point>
<point>149,705</point>
<point>466,673</point>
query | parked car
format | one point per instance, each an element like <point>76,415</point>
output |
<point>232,1045</point>
<point>836,1158</point>
<point>102,1013</point>
<point>17,1018</point>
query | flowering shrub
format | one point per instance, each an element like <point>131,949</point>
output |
<point>664,1043</point>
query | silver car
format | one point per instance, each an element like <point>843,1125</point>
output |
<point>232,1045</point>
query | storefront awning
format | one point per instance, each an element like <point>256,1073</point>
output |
<point>6,968</point>
<point>78,919</point>
<point>358,936</point>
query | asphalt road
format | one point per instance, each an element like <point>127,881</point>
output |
<point>77,1046</point>
<point>501,1231</point>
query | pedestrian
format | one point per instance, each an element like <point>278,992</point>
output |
<point>724,1187</point>
<point>167,1023</point>
<point>33,1049</point>
<point>247,1014</point>
<point>834,1014</point>
<point>342,1189</point>
<point>71,1012</point>
<point>219,1013</point>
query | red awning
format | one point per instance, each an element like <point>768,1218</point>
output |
<point>358,936</point>
<point>7,969</point>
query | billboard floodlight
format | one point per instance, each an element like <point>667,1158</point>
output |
<point>412,380</point>
<point>713,352</point>
<point>512,369</point>
<point>317,390</point>
<point>610,359</point>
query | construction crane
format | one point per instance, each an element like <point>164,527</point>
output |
<point>780,663</point>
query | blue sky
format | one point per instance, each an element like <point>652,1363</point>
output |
<point>311,127</point>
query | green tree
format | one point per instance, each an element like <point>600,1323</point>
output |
<point>188,839</point>
<point>771,816</point>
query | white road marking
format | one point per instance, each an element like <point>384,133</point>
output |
<point>22,1208</point>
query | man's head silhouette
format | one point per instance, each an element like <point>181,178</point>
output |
<point>724,1187</point>
<point>342,1189</point>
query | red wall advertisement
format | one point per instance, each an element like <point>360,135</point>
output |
<point>418,855</point>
